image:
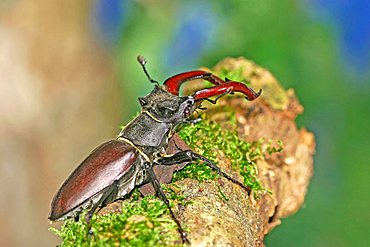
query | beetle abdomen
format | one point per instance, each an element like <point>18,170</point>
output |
<point>107,163</point>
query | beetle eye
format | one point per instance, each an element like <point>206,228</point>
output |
<point>188,109</point>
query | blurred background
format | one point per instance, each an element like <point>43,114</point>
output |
<point>69,78</point>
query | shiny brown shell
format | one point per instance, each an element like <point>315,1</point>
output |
<point>106,164</point>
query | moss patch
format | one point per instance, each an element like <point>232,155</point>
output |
<point>143,222</point>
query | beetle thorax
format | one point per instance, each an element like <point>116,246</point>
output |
<point>161,113</point>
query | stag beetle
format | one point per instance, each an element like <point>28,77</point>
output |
<point>115,167</point>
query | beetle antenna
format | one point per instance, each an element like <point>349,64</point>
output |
<point>142,61</point>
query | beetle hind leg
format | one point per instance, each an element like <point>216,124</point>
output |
<point>157,186</point>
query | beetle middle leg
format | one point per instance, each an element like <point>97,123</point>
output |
<point>108,195</point>
<point>157,186</point>
<point>189,155</point>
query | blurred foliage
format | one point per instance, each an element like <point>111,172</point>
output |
<point>303,54</point>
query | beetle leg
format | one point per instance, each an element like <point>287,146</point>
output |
<point>193,121</point>
<point>173,83</point>
<point>202,108</point>
<point>159,191</point>
<point>189,155</point>
<point>106,197</point>
<point>228,87</point>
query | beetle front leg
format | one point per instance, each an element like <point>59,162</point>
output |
<point>157,186</point>
<point>189,155</point>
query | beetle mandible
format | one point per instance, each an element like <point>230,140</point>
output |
<point>115,167</point>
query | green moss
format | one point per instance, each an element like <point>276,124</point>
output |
<point>143,222</point>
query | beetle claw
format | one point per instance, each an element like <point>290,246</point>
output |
<point>184,237</point>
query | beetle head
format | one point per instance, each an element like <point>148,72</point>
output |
<point>166,107</point>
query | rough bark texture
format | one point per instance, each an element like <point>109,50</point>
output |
<point>242,220</point>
